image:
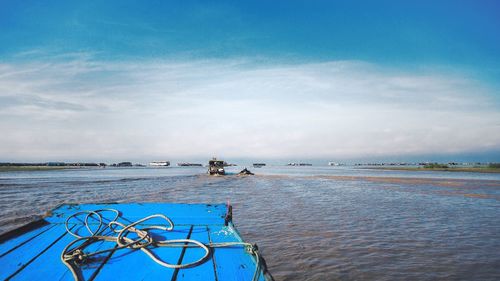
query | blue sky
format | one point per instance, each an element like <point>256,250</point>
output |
<point>449,32</point>
<point>387,78</point>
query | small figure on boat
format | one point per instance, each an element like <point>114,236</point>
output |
<point>216,167</point>
<point>245,172</point>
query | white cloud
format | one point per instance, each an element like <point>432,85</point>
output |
<point>79,108</point>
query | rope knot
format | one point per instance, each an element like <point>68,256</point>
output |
<point>77,256</point>
<point>251,248</point>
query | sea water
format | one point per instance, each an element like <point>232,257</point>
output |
<point>311,223</point>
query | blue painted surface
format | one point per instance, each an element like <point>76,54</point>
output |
<point>34,254</point>
<point>16,242</point>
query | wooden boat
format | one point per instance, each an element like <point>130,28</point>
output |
<point>245,172</point>
<point>216,167</point>
<point>49,249</point>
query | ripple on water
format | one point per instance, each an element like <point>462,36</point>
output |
<point>348,227</point>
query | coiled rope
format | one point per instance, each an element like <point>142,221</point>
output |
<point>73,257</point>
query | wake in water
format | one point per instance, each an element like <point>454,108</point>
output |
<point>310,224</point>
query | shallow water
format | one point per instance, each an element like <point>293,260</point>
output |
<point>311,223</point>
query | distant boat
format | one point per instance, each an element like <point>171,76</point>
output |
<point>245,172</point>
<point>259,165</point>
<point>299,164</point>
<point>159,163</point>
<point>184,164</point>
<point>333,164</point>
<point>216,167</point>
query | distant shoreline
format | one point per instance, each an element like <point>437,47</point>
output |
<point>36,168</point>
<point>454,169</point>
<point>392,168</point>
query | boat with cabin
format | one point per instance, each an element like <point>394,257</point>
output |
<point>216,167</point>
<point>159,163</point>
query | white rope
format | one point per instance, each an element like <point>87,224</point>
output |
<point>86,222</point>
<point>72,257</point>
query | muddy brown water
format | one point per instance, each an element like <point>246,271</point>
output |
<point>312,223</point>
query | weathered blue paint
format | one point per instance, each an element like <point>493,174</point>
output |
<point>18,241</point>
<point>33,253</point>
<point>202,271</point>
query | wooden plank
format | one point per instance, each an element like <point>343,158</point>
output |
<point>181,214</point>
<point>22,256</point>
<point>22,238</point>
<point>127,264</point>
<point>35,255</point>
<point>50,266</point>
<point>232,263</point>
<point>204,271</point>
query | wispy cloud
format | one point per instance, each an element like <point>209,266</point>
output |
<point>80,108</point>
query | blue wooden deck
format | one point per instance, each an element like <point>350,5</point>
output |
<point>34,252</point>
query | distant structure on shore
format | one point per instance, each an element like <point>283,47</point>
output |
<point>53,164</point>
<point>299,164</point>
<point>185,164</point>
<point>57,164</point>
<point>159,163</point>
